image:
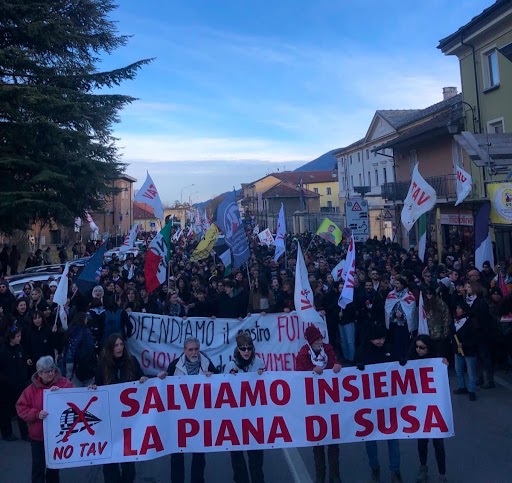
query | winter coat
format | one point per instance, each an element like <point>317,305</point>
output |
<point>255,299</point>
<point>177,366</point>
<point>254,366</point>
<point>39,341</point>
<point>369,353</point>
<point>13,369</point>
<point>77,334</point>
<point>30,403</point>
<point>468,337</point>
<point>230,307</point>
<point>303,360</point>
<point>120,372</point>
<point>439,319</point>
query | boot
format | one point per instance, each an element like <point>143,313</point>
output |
<point>396,477</point>
<point>488,381</point>
<point>422,474</point>
<point>375,474</point>
<point>472,396</point>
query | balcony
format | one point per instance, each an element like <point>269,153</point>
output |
<point>445,187</point>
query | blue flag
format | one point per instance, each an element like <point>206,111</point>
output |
<point>230,222</point>
<point>90,276</point>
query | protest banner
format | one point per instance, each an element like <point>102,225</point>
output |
<point>137,422</point>
<point>158,339</point>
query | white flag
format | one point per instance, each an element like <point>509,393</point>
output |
<point>61,296</point>
<point>266,237</point>
<point>129,241</point>
<point>177,235</point>
<point>348,275</point>
<point>420,199</point>
<point>149,194</point>
<point>279,242</point>
<point>464,185</point>
<point>303,296</point>
<point>338,270</point>
<point>422,319</point>
<point>92,225</point>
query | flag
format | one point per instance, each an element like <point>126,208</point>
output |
<point>91,273</point>
<point>230,222</point>
<point>149,194</point>
<point>265,237</point>
<point>329,231</point>
<point>483,244</point>
<point>422,321</point>
<point>279,242</point>
<point>348,275</point>
<point>205,246</point>
<point>303,296</point>
<point>256,230</point>
<point>463,185</point>
<point>157,258</point>
<point>502,285</point>
<point>420,199</point>
<point>60,297</point>
<point>226,260</point>
<point>129,241</point>
<point>422,244</point>
<point>94,228</point>
<point>338,270</point>
<point>177,234</point>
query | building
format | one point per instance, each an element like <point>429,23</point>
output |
<point>483,47</point>
<point>145,216</point>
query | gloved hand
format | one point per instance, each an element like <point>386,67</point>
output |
<point>360,366</point>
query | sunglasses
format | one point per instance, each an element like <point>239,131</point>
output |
<point>421,347</point>
<point>246,348</point>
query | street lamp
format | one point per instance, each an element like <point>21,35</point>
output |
<point>190,197</point>
<point>185,187</point>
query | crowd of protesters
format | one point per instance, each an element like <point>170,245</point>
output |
<point>468,314</point>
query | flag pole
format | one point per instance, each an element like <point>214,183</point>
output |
<point>248,274</point>
<point>310,244</point>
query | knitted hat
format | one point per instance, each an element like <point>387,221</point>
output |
<point>312,334</point>
<point>376,331</point>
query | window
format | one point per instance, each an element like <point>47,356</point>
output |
<point>413,159</point>
<point>315,190</point>
<point>358,157</point>
<point>491,70</point>
<point>495,127</point>
<point>369,180</point>
<point>385,174</point>
<point>360,180</point>
<point>350,160</point>
<point>374,153</point>
<point>376,177</point>
<point>352,180</point>
<point>329,191</point>
<point>329,204</point>
<point>367,154</point>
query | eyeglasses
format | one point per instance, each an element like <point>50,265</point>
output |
<point>246,348</point>
<point>422,347</point>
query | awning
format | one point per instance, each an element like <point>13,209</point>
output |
<point>489,150</point>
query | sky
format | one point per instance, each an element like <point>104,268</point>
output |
<point>241,88</point>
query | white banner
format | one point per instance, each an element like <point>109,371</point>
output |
<point>158,339</point>
<point>420,199</point>
<point>137,422</point>
<point>266,237</point>
<point>463,185</point>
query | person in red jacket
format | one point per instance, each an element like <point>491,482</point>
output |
<point>316,356</point>
<point>30,408</point>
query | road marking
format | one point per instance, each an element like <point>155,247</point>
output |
<point>296,465</point>
<point>503,383</point>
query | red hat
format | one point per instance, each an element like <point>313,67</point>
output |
<point>312,333</point>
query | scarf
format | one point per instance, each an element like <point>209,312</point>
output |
<point>459,323</point>
<point>470,299</point>
<point>319,359</point>
<point>193,367</point>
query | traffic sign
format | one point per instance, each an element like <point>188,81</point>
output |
<point>387,215</point>
<point>347,232</point>
<point>356,206</point>
<point>357,219</point>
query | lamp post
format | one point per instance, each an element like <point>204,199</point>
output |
<point>185,187</point>
<point>454,124</point>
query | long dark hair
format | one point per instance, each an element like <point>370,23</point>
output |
<point>107,359</point>
<point>429,343</point>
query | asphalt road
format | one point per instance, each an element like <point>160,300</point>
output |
<point>480,451</point>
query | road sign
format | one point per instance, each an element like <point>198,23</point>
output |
<point>387,215</point>
<point>152,224</point>
<point>346,232</point>
<point>358,222</point>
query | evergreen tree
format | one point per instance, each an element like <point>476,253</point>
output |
<point>57,152</point>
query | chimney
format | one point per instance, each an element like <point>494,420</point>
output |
<point>449,92</point>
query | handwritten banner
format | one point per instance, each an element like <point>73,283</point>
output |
<point>158,339</point>
<point>137,422</point>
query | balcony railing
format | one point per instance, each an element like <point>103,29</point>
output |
<point>443,185</point>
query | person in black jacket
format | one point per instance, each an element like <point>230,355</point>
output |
<point>201,307</point>
<point>229,305</point>
<point>375,350</point>
<point>192,362</point>
<point>117,365</point>
<point>39,339</point>
<point>13,379</point>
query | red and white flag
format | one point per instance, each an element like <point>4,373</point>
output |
<point>338,270</point>
<point>149,194</point>
<point>422,318</point>
<point>129,241</point>
<point>420,199</point>
<point>464,185</point>
<point>94,228</point>
<point>348,275</point>
<point>303,296</point>
<point>157,258</point>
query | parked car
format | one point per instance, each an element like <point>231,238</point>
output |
<point>17,282</point>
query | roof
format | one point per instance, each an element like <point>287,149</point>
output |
<point>397,117</point>
<point>142,210</point>
<point>475,23</point>
<point>442,112</point>
<point>286,190</point>
<point>341,151</point>
<point>324,162</point>
<point>295,177</point>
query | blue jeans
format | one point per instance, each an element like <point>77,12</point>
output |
<point>348,340</point>
<point>470,363</point>
<point>393,450</point>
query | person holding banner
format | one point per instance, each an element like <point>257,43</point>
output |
<point>30,408</point>
<point>375,350</point>
<point>115,366</point>
<point>423,347</point>
<point>191,363</point>
<point>246,360</point>
<point>316,356</point>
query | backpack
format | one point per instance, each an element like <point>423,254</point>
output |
<point>85,360</point>
<point>112,324</point>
